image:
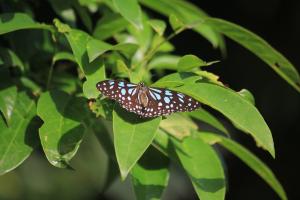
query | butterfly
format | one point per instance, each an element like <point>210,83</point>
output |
<point>146,101</point>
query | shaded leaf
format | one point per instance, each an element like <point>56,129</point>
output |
<point>178,126</point>
<point>63,127</point>
<point>203,166</point>
<point>150,175</point>
<point>63,55</point>
<point>17,141</point>
<point>10,59</point>
<point>8,98</point>
<point>248,158</point>
<point>260,48</point>
<point>132,136</point>
<point>208,118</point>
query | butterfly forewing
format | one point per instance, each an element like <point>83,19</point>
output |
<point>123,92</point>
<point>159,101</point>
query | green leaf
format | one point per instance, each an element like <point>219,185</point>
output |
<point>89,86</point>
<point>158,25</point>
<point>208,118</point>
<point>189,62</point>
<point>10,22</point>
<point>175,22</point>
<point>8,98</point>
<point>132,136</point>
<point>178,125</point>
<point>95,48</point>
<point>63,55</point>
<point>150,178</point>
<point>131,11</point>
<point>203,166</point>
<point>189,14</point>
<point>260,48</point>
<point>236,108</point>
<point>84,15</point>
<point>164,62</point>
<point>109,25</point>
<point>247,95</point>
<point>176,79</point>
<point>17,141</point>
<point>248,158</point>
<point>10,59</point>
<point>63,126</point>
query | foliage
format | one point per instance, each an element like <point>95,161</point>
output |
<point>49,71</point>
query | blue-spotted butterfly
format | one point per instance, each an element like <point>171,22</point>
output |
<point>146,101</point>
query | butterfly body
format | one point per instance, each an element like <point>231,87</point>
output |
<point>146,101</point>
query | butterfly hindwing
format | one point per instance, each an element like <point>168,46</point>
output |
<point>165,102</point>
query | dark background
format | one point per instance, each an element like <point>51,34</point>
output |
<point>278,22</point>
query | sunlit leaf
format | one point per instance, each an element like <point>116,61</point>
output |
<point>95,48</point>
<point>132,136</point>
<point>109,25</point>
<point>189,62</point>
<point>131,11</point>
<point>89,86</point>
<point>158,25</point>
<point>17,21</point>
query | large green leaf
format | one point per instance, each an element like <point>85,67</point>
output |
<point>238,109</point>
<point>17,141</point>
<point>203,166</point>
<point>63,127</point>
<point>89,86</point>
<point>164,62</point>
<point>248,158</point>
<point>189,15</point>
<point>259,47</point>
<point>189,62</point>
<point>8,98</point>
<point>150,175</point>
<point>132,136</point>
<point>95,48</point>
<point>17,21</point>
<point>131,11</point>
<point>109,25</point>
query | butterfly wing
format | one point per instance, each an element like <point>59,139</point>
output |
<point>126,94</point>
<point>164,102</point>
